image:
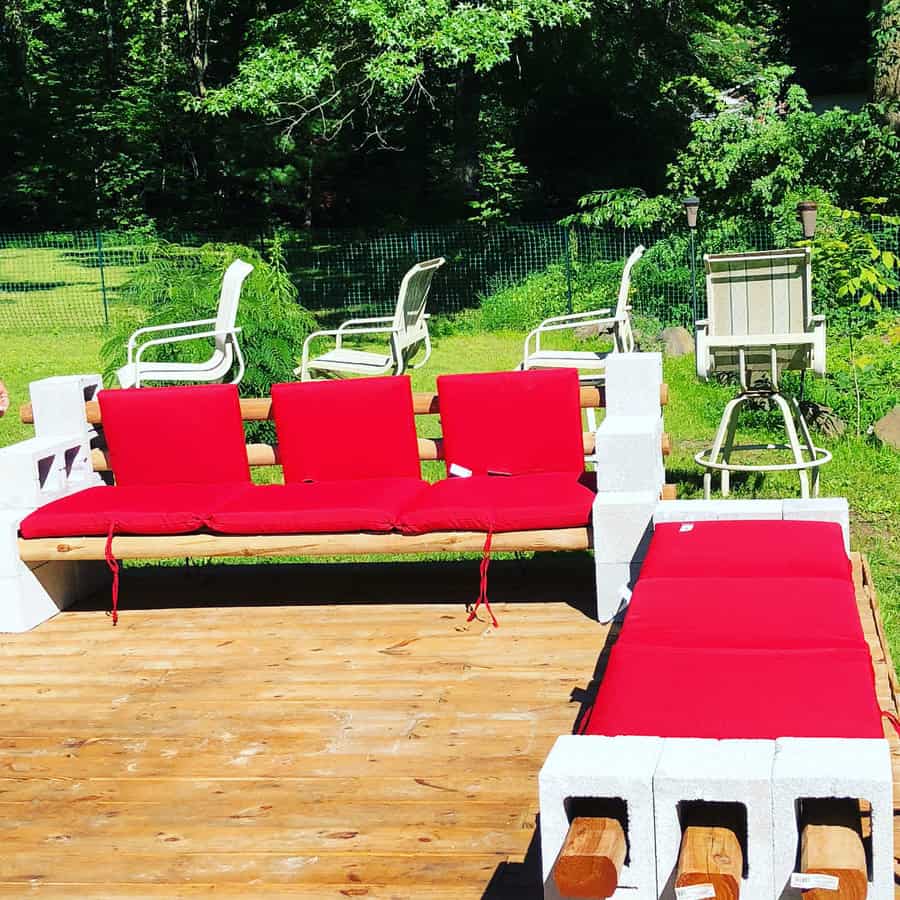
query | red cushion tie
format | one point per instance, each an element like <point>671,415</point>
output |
<point>483,593</point>
<point>113,564</point>
<point>892,718</point>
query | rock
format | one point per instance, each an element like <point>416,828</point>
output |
<point>677,341</point>
<point>887,428</point>
<point>586,332</point>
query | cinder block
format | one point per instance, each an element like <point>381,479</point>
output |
<point>584,768</point>
<point>623,525</point>
<point>713,510</point>
<point>632,384</point>
<point>628,454</point>
<point>731,771</point>
<point>614,581</point>
<point>58,404</point>
<point>807,768</point>
<point>821,509</point>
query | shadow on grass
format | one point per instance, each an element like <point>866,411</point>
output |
<point>26,287</point>
<point>558,578</point>
<point>690,482</point>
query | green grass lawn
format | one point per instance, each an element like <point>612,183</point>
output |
<point>869,476</point>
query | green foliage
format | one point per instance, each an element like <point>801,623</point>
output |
<point>624,208</point>
<point>181,284</point>
<point>499,184</point>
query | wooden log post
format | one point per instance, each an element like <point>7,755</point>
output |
<point>591,859</point>
<point>711,855</point>
<point>831,843</point>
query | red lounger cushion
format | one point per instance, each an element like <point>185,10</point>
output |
<point>512,423</point>
<point>353,429</point>
<point>497,503</point>
<point>736,694</point>
<point>192,434</point>
<point>133,509</point>
<point>747,549</point>
<point>761,613</point>
<point>371,504</point>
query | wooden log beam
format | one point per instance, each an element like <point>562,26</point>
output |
<point>202,545</point>
<point>711,855</point>
<point>259,409</point>
<point>591,859</point>
<point>831,843</point>
<point>429,449</point>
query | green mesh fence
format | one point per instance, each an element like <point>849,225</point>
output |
<point>78,280</point>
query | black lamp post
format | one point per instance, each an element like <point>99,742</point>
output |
<point>691,205</point>
<point>807,211</point>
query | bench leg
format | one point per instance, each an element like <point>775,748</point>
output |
<point>32,593</point>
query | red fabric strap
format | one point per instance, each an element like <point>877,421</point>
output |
<point>892,718</point>
<point>113,564</point>
<point>483,590</point>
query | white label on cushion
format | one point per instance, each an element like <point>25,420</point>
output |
<point>806,881</point>
<point>460,471</point>
<point>688,526</point>
<point>695,892</point>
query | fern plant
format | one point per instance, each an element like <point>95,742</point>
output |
<point>180,284</point>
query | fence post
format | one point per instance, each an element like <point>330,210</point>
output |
<point>568,268</point>
<point>99,238</point>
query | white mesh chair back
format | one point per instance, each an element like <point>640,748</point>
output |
<point>624,336</point>
<point>410,325</point>
<point>229,297</point>
<point>759,296</point>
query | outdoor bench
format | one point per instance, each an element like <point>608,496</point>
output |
<point>352,475</point>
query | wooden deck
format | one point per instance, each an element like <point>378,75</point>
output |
<point>230,737</point>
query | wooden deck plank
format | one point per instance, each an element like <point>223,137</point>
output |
<point>214,745</point>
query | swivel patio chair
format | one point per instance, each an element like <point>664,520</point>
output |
<point>407,329</point>
<point>226,350</point>
<point>591,364</point>
<point>760,323</point>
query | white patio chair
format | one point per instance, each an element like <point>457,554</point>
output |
<point>591,365</point>
<point>407,328</point>
<point>759,323</point>
<point>224,334</point>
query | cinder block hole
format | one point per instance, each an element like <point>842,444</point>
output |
<point>71,462</point>
<point>46,479</point>
<point>90,392</point>
<point>717,814</point>
<point>853,812</point>
<point>601,807</point>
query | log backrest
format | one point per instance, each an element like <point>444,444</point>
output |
<point>759,294</point>
<point>410,326</point>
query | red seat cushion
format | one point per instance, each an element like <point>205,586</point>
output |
<point>190,434</point>
<point>353,429</point>
<point>760,613</point>
<point>747,549</point>
<point>725,693</point>
<point>371,504</point>
<point>496,503</point>
<point>133,509</point>
<point>513,423</point>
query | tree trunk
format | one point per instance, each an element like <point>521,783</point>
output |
<point>886,87</point>
<point>465,130</point>
<point>198,42</point>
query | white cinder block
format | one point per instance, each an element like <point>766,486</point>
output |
<point>603,768</point>
<point>629,455</point>
<point>58,404</point>
<point>713,510</point>
<point>731,771</point>
<point>821,509</point>
<point>828,767</point>
<point>615,582</point>
<point>632,384</point>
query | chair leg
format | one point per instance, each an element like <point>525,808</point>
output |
<point>790,428</point>
<point>810,447</point>
<point>726,450</point>
<point>724,426</point>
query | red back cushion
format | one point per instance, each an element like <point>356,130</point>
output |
<point>514,423</point>
<point>742,549</point>
<point>342,430</point>
<point>189,435</point>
